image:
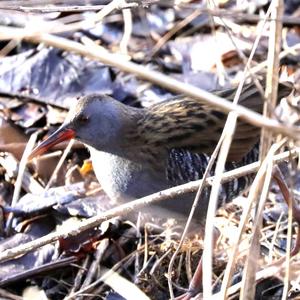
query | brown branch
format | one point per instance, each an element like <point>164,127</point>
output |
<point>97,53</point>
<point>132,206</point>
<point>276,10</point>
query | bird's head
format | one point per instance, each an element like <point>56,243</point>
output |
<point>95,120</point>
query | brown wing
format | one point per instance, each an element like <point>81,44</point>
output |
<point>189,124</point>
<point>247,135</point>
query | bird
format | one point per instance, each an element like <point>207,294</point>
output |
<point>136,152</point>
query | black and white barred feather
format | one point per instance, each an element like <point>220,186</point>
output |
<point>184,166</point>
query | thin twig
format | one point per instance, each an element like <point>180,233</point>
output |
<point>18,184</point>
<point>78,278</point>
<point>102,278</point>
<point>212,206</point>
<point>92,272</point>
<point>292,212</point>
<point>270,271</point>
<point>191,214</point>
<point>51,27</point>
<point>274,237</point>
<point>250,199</point>
<point>122,286</point>
<point>248,289</point>
<point>70,8</point>
<point>288,253</point>
<point>271,91</point>
<point>11,166</point>
<point>173,31</point>
<point>59,164</point>
<point>127,16</point>
<point>228,131</point>
<point>135,205</point>
<point>248,281</point>
<point>92,51</point>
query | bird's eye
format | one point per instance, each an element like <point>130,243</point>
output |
<point>83,119</point>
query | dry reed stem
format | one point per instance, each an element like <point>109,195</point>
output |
<point>228,131</point>
<point>91,22</point>
<point>242,224</point>
<point>292,212</point>
<point>101,279</point>
<point>273,270</point>
<point>21,170</point>
<point>59,164</point>
<point>288,253</point>
<point>93,269</point>
<point>127,16</point>
<point>212,159</point>
<point>251,265</point>
<point>225,13</point>
<point>135,205</point>
<point>80,273</point>
<point>271,95</point>
<point>191,214</point>
<point>121,285</point>
<point>115,60</point>
<point>248,289</point>
<point>178,26</point>
<point>72,8</point>
<point>275,39</point>
<point>274,237</point>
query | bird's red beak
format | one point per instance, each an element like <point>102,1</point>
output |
<point>60,135</point>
